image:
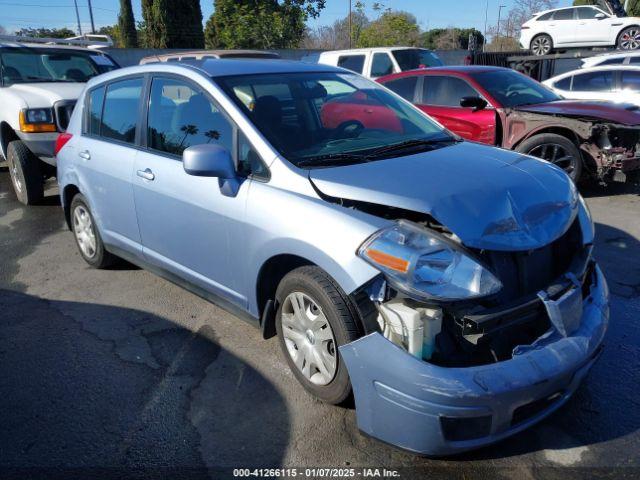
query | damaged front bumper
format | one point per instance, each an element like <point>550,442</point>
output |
<point>437,411</point>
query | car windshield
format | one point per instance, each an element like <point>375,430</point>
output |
<point>31,65</point>
<point>412,58</point>
<point>324,119</point>
<point>513,89</point>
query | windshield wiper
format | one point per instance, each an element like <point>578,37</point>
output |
<point>333,159</point>
<point>423,144</point>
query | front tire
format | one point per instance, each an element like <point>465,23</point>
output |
<point>541,45</point>
<point>629,38</point>
<point>26,176</point>
<point>555,149</point>
<point>314,318</point>
<point>87,236</point>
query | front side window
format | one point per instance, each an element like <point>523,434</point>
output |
<point>445,91</point>
<point>587,13</point>
<point>355,63</point>
<point>593,82</point>
<point>34,65</point>
<point>326,116</point>
<point>630,81</point>
<point>381,65</point>
<point>405,87</point>
<point>120,111</point>
<point>634,60</point>
<point>180,115</point>
<point>513,89</point>
<point>565,14</point>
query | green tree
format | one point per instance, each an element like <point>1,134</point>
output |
<point>172,24</point>
<point>391,29</point>
<point>259,23</point>
<point>128,37</point>
<point>450,38</point>
<point>46,32</point>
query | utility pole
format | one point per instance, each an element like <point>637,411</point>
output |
<point>93,26</point>
<point>498,27</point>
<point>486,17</point>
<point>75,2</point>
<point>349,24</point>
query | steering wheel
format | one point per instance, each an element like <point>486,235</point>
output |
<point>349,129</point>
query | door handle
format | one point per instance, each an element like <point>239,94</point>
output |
<point>147,174</point>
<point>85,155</point>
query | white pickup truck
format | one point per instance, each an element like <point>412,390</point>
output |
<point>378,62</point>
<point>39,85</point>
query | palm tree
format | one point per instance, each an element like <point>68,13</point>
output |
<point>212,135</point>
<point>188,130</point>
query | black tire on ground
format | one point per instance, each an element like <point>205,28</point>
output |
<point>541,45</point>
<point>555,149</point>
<point>342,317</point>
<point>101,258</point>
<point>26,175</point>
<point>629,38</point>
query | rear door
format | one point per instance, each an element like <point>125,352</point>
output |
<point>110,134</point>
<point>563,26</point>
<point>440,96</point>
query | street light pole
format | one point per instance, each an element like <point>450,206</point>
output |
<point>349,24</point>
<point>486,17</point>
<point>75,2</point>
<point>498,28</point>
<point>93,26</point>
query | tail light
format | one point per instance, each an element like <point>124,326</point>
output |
<point>61,141</point>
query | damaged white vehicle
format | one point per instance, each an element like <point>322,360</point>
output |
<point>448,286</point>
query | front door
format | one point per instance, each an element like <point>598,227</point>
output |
<point>187,225</point>
<point>590,29</point>
<point>440,98</point>
<point>107,158</point>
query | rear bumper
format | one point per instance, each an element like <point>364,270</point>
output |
<point>437,411</point>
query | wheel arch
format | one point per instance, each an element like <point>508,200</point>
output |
<point>67,194</point>
<point>7,135</point>
<point>557,130</point>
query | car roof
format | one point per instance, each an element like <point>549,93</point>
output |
<point>599,68</point>
<point>464,69</point>
<point>38,46</point>
<point>200,54</point>
<point>367,50</point>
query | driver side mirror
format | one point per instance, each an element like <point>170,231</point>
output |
<point>600,16</point>
<point>477,103</point>
<point>208,161</point>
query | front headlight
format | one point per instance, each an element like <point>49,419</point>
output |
<point>424,264</point>
<point>35,120</point>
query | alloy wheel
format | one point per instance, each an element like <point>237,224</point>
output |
<point>541,45</point>
<point>83,230</point>
<point>309,338</point>
<point>630,39</point>
<point>17,183</point>
<point>556,154</point>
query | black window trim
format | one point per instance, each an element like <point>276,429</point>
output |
<point>85,113</point>
<point>235,144</point>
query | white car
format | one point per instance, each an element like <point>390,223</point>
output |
<point>586,26</point>
<point>378,62</point>
<point>624,58</point>
<point>39,85</point>
<point>613,83</point>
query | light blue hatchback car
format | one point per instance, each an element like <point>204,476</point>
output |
<point>445,285</point>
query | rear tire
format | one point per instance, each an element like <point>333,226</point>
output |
<point>629,39</point>
<point>26,176</point>
<point>541,45</point>
<point>555,149</point>
<point>329,321</point>
<point>87,236</point>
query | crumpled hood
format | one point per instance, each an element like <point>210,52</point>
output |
<point>490,198</point>
<point>624,113</point>
<point>42,95</point>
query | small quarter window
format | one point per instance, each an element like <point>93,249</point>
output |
<point>564,84</point>
<point>94,111</point>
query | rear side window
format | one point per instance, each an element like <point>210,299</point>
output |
<point>564,84</point>
<point>120,112</point>
<point>405,87</point>
<point>593,82</point>
<point>566,14</point>
<point>355,63</point>
<point>181,116</point>
<point>545,17</point>
<point>445,91</point>
<point>630,81</point>
<point>94,109</point>
<point>381,65</point>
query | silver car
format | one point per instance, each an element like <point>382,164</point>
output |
<point>445,285</point>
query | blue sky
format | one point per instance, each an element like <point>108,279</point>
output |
<point>430,13</point>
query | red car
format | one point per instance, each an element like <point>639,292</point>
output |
<point>502,107</point>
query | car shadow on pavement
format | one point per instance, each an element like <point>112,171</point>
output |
<point>605,407</point>
<point>93,390</point>
<point>592,189</point>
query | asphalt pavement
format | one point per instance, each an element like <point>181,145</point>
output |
<point>118,373</point>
